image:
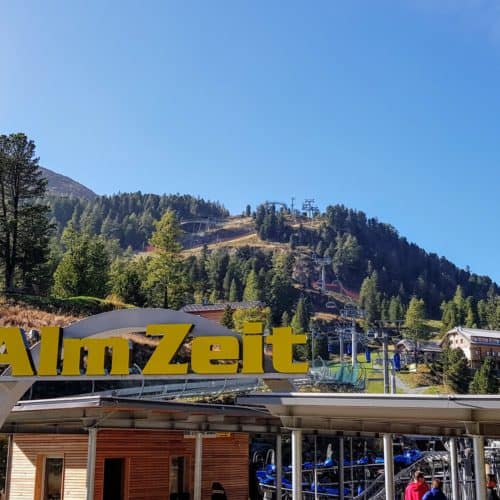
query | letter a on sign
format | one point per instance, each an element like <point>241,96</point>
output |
<point>15,353</point>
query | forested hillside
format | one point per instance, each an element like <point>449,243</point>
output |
<point>128,217</point>
<point>360,246</point>
<point>129,248</point>
<point>365,255</point>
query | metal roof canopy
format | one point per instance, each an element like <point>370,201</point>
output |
<point>78,414</point>
<point>372,414</point>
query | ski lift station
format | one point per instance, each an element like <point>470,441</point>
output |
<point>277,443</point>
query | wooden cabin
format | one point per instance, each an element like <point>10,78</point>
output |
<point>215,312</point>
<point>107,448</point>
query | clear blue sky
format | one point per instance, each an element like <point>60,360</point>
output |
<point>390,107</point>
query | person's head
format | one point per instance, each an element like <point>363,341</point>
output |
<point>436,483</point>
<point>419,476</point>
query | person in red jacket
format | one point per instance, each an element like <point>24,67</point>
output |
<point>417,488</point>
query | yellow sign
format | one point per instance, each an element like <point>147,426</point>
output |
<point>210,355</point>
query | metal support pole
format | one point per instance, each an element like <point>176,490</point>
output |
<point>351,461</point>
<point>479,467</point>
<point>8,472</point>
<point>296,464</point>
<point>279,467</point>
<point>313,346</point>
<point>388,467</point>
<point>341,340</point>
<point>385,341</point>
<point>394,388</point>
<point>341,467</point>
<point>198,462</point>
<point>91,452</point>
<point>354,349</point>
<point>315,467</point>
<point>453,468</point>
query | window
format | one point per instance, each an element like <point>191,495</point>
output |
<point>52,478</point>
<point>178,480</point>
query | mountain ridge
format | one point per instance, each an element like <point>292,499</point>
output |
<point>63,185</point>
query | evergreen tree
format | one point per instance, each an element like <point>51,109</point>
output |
<point>456,370</point>
<point>460,305</point>
<point>300,319</point>
<point>241,316</point>
<point>450,315</point>
<point>227,318</point>
<point>234,291</point>
<point>84,267</point>
<point>414,319</point>
<point>24,226</point>
<point>482,313</point>
<point>369,299</point>
<point>226,284</point>
<point>285,319</point>
<point>165,282</point>
<point>346,258</point>
<point>395,309</point>
<point>281,294</point>
<point>252,291</point>
<point>470,316</point>
<point>126,278</point>
<point>485,379</point>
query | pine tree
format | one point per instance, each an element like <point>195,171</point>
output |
<point>300,319</point>
<point>126,278</point>
<point>347,257</point>
<point>395,309</point>
<point>470,316</point>
<point>285,319</point>
<point>234,291</point>
<point>456,370</point>
<point>84,267</point>
<point>24,226</point>
<point>252,291</point>
<point>226,284</point>
<point>227,318</point>
<point>241,316</point>
<point>485,380</point>
<point>414,319</point>
<point>369,299</point>
<point>165,281</point>
<point>450,317</point>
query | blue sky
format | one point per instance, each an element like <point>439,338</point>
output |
<point>390,107</point>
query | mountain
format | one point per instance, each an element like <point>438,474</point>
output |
<point>61,185</point>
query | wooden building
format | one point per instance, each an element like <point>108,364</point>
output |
<point>425,351</point>
<point>215,312</point>
<point>107,448</point>
<point>475,343</point>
